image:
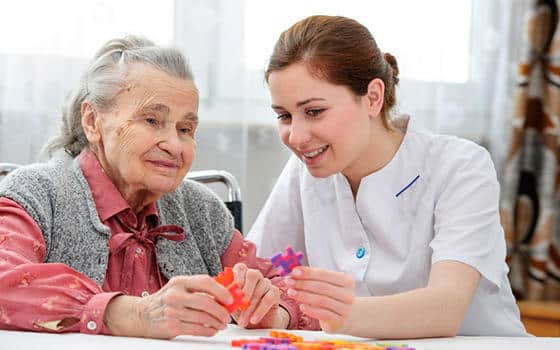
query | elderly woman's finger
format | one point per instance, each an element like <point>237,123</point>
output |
<point>252,278</point>
<point>262,286</point>
<point>268,301</point>
<point>209,317</point>
<point>199,317</point>
<point>239,271</point>
<point>206,304</point>
<point>163,314</point>
<point>205,284</point>
<point>173,301</point>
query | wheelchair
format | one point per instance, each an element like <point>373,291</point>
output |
<point>232,202</point>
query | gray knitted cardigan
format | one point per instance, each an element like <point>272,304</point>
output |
<point>57,196</point>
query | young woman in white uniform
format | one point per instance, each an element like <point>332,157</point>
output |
<point>400,227</point>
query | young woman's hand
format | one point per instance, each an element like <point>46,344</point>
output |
<point>185,305</point>
<point>323,294</point>
<point>264,311</point>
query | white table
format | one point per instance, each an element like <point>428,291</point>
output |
<point>43,341</point>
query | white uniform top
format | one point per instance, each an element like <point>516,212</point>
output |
<point>437,199</point>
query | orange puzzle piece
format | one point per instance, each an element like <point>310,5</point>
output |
<point>225,278</point>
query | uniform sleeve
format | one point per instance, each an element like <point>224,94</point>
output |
<point>243,251</point>
<point>36,296</point>
<point>466,217</point>
<point>280,222</point>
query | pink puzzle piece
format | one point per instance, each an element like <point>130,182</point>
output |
<point>287,261</point>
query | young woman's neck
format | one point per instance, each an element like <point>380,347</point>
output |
<point>380,151</point>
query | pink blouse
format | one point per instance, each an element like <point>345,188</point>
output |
<point>52,297</point>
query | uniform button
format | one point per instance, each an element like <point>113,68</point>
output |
<point>91,325</point>
<point>145,294</point>
<point>360,252</point>
<point>138,250</point>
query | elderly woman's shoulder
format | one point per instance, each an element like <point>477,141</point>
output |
<point>35,186</point>
<point>53,170</point>
<point>197,193</point>
<point>196,201</point>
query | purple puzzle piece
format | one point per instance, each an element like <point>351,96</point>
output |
<point>287,261</point>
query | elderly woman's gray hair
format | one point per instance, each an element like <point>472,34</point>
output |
<point>105,77</point>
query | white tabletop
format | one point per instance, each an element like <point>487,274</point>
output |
<point>43,341</point>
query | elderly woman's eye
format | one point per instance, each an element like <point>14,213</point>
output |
<point>186,128</point>
<point>151,120</point>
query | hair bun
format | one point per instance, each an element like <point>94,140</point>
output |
<point>394,66</point>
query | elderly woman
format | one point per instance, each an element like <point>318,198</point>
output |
<point>107,237</point>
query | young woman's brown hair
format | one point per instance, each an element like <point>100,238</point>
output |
<point>341,51</point>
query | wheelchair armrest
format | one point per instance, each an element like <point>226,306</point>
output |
<point>5,168</point>
<point>233,201</point>
<point>210,176</point>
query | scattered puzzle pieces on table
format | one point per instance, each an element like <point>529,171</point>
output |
<point>238,343</point>
<point>287,261</point>
<point>293,338</point>
<point>225,278</point>
<point>268,347</point>
<point>391,345</point>
<point>287,341</point>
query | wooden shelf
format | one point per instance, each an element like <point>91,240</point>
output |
<point>541,318</point>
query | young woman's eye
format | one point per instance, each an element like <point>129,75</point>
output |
<point>315,111</point>
<point>284,117</point>
<point>185,130</point>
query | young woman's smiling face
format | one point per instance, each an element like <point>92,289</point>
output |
<point>326,125</point>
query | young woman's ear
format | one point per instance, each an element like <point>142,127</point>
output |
<point>90,122</point>
<point>375,97</point>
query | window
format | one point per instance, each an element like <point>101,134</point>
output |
<point>79,28</point>
<point>430,40</point>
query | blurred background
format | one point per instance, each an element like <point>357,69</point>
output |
<point>457,59</point>
<point>486,70</point>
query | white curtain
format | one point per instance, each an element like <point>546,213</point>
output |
<point>457,63</point>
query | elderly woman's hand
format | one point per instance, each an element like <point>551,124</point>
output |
<point>263,311</point>
<point>185,305</point>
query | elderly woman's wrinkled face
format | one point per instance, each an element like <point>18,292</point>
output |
<point>146,141</point>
